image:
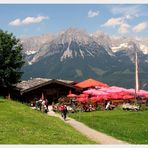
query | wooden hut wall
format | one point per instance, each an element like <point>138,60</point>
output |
<point>51,91</point>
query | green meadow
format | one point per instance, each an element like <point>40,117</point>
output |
<point>125,125</point>
<point>19,124</point>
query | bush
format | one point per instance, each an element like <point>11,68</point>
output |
<point>99,108</point>
<point>1,97</point>
<point>144,107</point>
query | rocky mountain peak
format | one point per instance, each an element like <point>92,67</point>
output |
<point>73,34</point>
<point>103,38</point>
<point>74,42</point>
<point>33,44</point>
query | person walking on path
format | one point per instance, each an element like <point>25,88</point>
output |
<point>62,110</point>
<point>46,103</point>
<point>65,112</point>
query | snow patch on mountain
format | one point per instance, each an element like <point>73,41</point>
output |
<point>67,54</point>
<point>30,63</point>
<point>144,48</point>
<point>75,53</point>
<point>30,52</point>
<point>120,47</point>
<point>82,53</point>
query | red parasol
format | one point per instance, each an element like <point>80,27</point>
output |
<point>70,92</point>
<point>82,99</point>
<point>71,95</point>
<point>42,97</point>
<point>128,96</point>
<point>94,99</point>
<point>82,95</point>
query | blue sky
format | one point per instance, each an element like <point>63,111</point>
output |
<point>36,19</point>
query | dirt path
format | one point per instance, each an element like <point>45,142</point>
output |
<point>90,133</point>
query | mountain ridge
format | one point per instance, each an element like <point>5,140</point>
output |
<point>75,54</point>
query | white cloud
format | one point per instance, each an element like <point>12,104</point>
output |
<point>33,20</point>
<point>28,20</point>
<point>15,22</point>
<point>92,13</point>
<point>128,12</point>
<point>124,28</point>
<point>114,22</point>
<point>141,26</point>
<point>120,22</point>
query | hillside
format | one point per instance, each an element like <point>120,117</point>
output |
<point>22,125</point>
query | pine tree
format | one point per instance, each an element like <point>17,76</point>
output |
<point>11,61</point>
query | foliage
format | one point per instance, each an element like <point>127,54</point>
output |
<point>22,125</point>
<point>11,60</point>
<point>128,126</point>
<point>1,97</point>
<point>144,107</point>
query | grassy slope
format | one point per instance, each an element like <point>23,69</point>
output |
<point>127,126</point>
<point>22,125</point>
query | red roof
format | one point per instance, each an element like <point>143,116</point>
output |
<point>91,83</point>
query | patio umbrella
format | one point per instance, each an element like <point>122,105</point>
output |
<point>82,100</point>
<point>42,97</point>
<point>102,97</point>
<point>93,99</point>
<point>128,96</point>
<point>70,92</point>
<point>89,91</point>
<point>71,95</point>
<point>131,91</point>
<point>82,95</point>
<point>97,93</point>
<point>139,93</point>
<point>113,89</point>
<point>113,96</point>
<point>142,93</point>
